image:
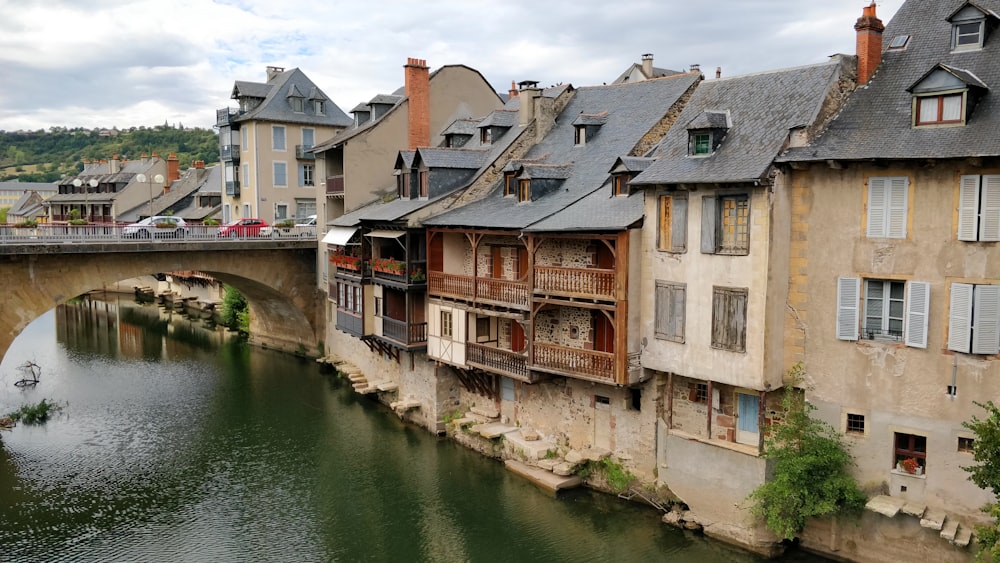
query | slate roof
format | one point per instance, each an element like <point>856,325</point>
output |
<point>876,120</point>
<point>44,189</point>
<point>631,164</point>
<point>762,109</point>
<point>386,99</point>
<point>275,106</point>
<point>500,118</point>
<point>462,127</point>
<point>633,108</point>
<point>657,73</point>
<point>452,157</point>
<point>590,119</point>
<point>28,206</point>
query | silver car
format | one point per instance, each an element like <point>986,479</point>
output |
<point>158,226</point>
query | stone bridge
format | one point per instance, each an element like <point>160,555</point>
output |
<point>277,277</point>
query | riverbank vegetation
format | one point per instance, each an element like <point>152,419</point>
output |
<point>37,413</point>
<point>986,475</point>
<point>235,312</point>
<point>811,468</point>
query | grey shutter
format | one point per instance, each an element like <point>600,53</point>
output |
<point>918,303</point>
<point>678,224</point>
<point>677,311</point>
<point>989,206</point>
<point>877,205</point>
<point>898,193</point>
<point>661,323</point>
<point>968,208</point>
<point>986,319</point>
<point>709,217</point>
<point>960,318</point>
<point>302,175</point>
<point>848,297</point>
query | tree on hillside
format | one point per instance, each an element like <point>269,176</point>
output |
<point>986,475</point>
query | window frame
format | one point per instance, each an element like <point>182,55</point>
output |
<point>447,324</point>
<point>715,224</point>
<point>318,107</point>
<point>909,449</point>
<point>579,135</point>
<point>701,143</point>
<point>850,312</point>
<point>957,34</point>
<point>403,185</point>
<point>284,173</point>
<point>620,184</point>
<point>524,189</point>
<point>298,104</point>
<point>279,141</point>
<point>884,315</point>
<point>308,174</point>
<point>732,335</point>
<point>941,99</point>
<point>424,183</point>
<point>280,211</point>
<point>509,183</point>
<point>966,445</point>
<point>670,311</point>
<point>859,426</point>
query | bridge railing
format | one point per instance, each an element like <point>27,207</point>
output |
<point>49,233</point>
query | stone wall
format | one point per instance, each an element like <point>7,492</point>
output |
<point>565,326</point>
<point>573,253</point>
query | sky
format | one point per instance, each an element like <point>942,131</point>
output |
<point>129,63</point>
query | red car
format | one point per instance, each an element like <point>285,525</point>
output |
<point>242,228</point>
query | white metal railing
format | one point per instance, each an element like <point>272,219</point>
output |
<point>109,232</point>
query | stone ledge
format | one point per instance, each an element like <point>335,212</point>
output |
<point>885,505</point>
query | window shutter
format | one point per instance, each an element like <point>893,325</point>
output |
<point>960,318</point>
<point>897,191</point>
<point>666,214</point>
<point>709,216</point>
<point>968,208</point>
<point>678,224</point>
<point>678,311</point>
<point>877,203</point>
<point>986,320</point>
<point>662,321</point>
<point>918,304</point>
<point>989,205</point>
<point>848,296</point>
<point>302,174</point>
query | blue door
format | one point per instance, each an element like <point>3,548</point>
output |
<point>747,416</point>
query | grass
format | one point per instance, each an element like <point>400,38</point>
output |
<point>36,414</point>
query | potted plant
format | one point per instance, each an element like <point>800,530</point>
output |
<point>74,218</point>
<point>910,465</point>
<point>417,275</point>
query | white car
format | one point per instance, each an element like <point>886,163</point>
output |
<point>303,229</point>
<point>158,226</point>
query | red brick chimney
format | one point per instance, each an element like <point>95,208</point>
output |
<point>869,49</point>
<point>199,164</point>
<point>418,92</point>
<point>173,168</point>
<point>513,92</point>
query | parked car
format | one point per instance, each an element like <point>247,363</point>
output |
<point>286,228</point>
<point>242,228</point>
<point>157,226</point>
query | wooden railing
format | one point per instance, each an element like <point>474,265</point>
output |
<point>502,291</point>
<point>504,362</point>
<point>588,363</point>
<point>582,282</point>
<point>405,333</point>
<point>350,323</point>
<point>335,185</point>
<point>450,285</point>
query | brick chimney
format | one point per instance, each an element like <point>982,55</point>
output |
<point>513,92</point>
<point>418,93</point>
<point>199,164</point>
<point>173,168</point>
<point>647,64</point>
<point>869,49</point>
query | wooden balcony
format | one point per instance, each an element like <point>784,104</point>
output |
<point>350,323</point>
<point>404,334</point>
<point>450,285</point>
<point>499,292</point>
<point>588,283</point>
<point>335,186</point>
<point>398,273</point>
<point>496,360</point>
<point>575,362</point>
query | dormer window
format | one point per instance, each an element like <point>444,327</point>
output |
<point>509,184</point>
<point>318,107</point>
<point>702,143</point>
<point>939,110</point>
<point>969,26</point>
<point>296,100</point>
<point>524,190</point>
<point>968,36</point>
<point>586,125</point>
<point>485,135</point>
<point>579,135</point>
<point>403,185</point>
<point>945,96</point>
<point>619,184</point>
<point>706,132</point>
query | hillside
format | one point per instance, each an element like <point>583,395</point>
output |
<point>46,156</point>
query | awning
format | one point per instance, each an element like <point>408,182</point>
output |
<point>386,234</point>
<point>339,235</point>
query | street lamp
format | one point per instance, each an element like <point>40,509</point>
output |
<point>92,183</point>
<point>149,182</point>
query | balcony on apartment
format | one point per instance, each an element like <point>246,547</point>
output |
<point>578,342</point>
<point>575,269</point>
<point>226,117</point>
<point>335,186</point>
<point>233,188</point>
<point>347,264</point>
<point>229,153</point>
<point>497,360</point>
<point>398,258</point>
<point>401,318</point>
<point>593,365</point>
<point>406,335</point>
<point>302,152</point>
<point>493,272</point>
<point>399,273</point>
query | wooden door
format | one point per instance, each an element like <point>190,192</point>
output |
<point>497,254</point>
<point>604,332</point>
<point>517,340</point>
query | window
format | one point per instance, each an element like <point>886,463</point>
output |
<point>699,394</point>
<point>446,324</point>
<point>911,446</point>
<point>702,143</point>
<point>893,310</point>
<point>619,184</point>
<point>485,135</point>
<point>579,135</point>
<point>671,301</point>
<point>966,445</point>
<point>509,184</point>
<point>729,318</point>
<point>887,207</point>
<point>349,298</point>
<point>280,174</point>
<point>246,133</point>
<point>280,211</point>
<point>725,225</point>
<point>308,137</point>
<point>673,223</point>
<point>318,107</point>
<point>246,175</point>
<point>403,185</point>
<point>855,423</point>
<point>483,328</point>
<point>524,190</point>
<point>974,319</point>
<point>979,208</point>
<point>967,36</point>
<point>940,110</point>
<point>297,104</point>
<point>378,306</point>
<point>424,183</point>
<point>899,42</point>
<point>306,173</point>
<point>278,137</point>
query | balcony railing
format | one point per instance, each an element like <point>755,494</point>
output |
<point>575,282</point>
<point>450,285</point>
<point>407,334</point>
<point>335,186</point>
<point>230,153</point>
<point>590,364</point>
<point>502,292</point>
<point>398,271</point>
<point>233,188</point>
<point>350,323</point>
<point>225,116</point>
<point>504,362</point>
<point>302,152</point>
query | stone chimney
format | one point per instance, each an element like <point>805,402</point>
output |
<point>512,93</point>
<point>173,168</point>
<point>114,165</point>
<point>418,93</point>
<point>273,71</point>
<point>718,72</point>
<point>869,48</point>
<point>526,113</point>
<point>647,64</point>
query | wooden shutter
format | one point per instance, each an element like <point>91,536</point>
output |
<point>678,224</point>
<point>678,298</point>
<point>989,209</point>
<point>898,189</point>
<point>497,271</point>
<point>968,208</point>
<point>848,297</point>
<point>877,205</point>
<point>960,318</point>
<point>666,213</point>
<point>709,217</point>
<point>661,320</point>
<point>918,303</point>
<point>435,253</point>
<point>986,319</point>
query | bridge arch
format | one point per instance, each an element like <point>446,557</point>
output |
<point>278,279</point>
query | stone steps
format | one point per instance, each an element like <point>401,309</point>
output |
<point>934,519</point>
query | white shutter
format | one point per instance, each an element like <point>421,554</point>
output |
<point>709,218</point>
<point>877,204</point>
<point>968,208</point>
<point>918,304</point>
<point>986,320</point>
<point>848,296</point>
<point>989,205</point>
<point>960,318</point>
<point>898,189</point>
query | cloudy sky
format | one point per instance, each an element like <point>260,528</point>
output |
<point>104,63</point>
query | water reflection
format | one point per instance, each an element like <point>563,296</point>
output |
<point>180,443</point>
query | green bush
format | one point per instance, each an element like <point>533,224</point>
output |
<point>986,475</point>
<point>36,414</point>
<point>235,312</point>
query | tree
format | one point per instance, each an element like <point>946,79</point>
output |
<point>811,463</point>
<point>235,312</point>
<point>986,475</point>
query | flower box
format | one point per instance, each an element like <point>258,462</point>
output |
<point>389,266</point>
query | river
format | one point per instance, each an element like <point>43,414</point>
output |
<point>178,442</point>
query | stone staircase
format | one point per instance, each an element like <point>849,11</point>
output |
<point>935,519</point>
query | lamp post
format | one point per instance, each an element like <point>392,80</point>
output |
<point>92,183</point>
<point>149,182</point>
